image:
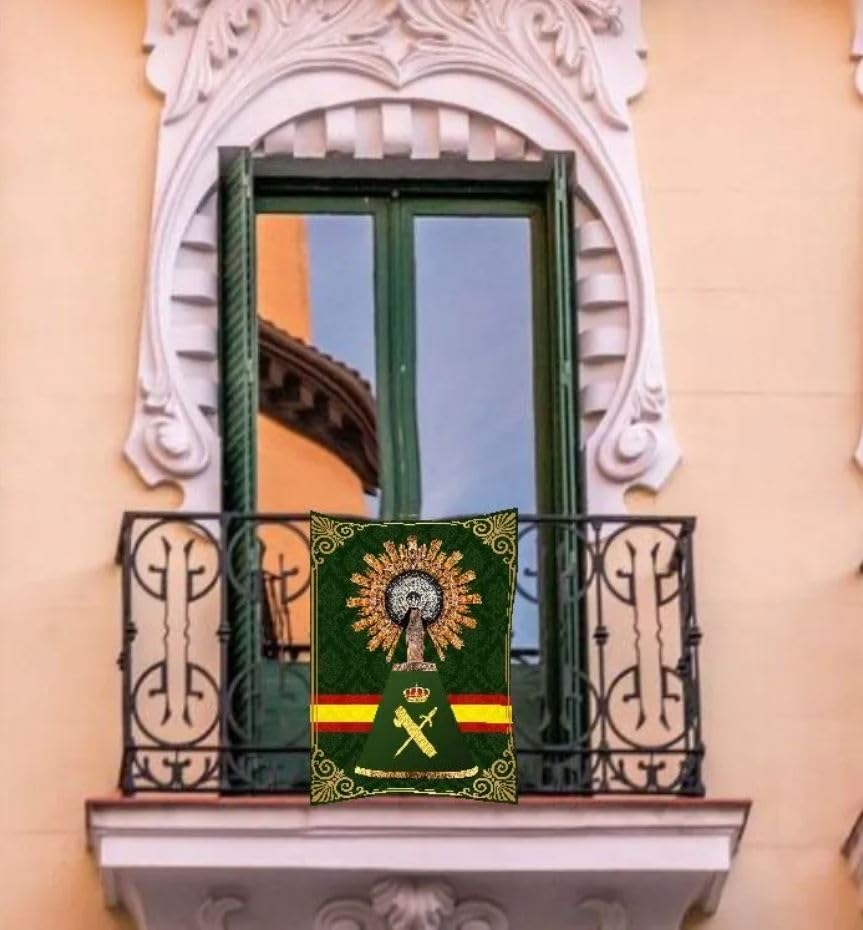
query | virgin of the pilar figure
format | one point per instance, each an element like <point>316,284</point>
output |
<point>415,734</point>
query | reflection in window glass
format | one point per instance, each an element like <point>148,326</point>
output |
<point>317,432</point>
<point>341,283</point>
<point>475,372</point>
<point>316,281</point>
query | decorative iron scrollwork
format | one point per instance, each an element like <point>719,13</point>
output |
<point>618,592</point>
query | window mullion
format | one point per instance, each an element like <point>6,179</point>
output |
<point>396,331</point>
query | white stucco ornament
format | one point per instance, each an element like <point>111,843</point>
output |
<point>605,915</point>
<point>214,912</point>
<point>410,904</point>
<point>457,79</point>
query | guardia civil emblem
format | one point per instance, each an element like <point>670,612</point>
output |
<point>408,592</point>
<point>410,679</point>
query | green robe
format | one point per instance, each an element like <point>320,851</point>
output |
<point>415,733</point>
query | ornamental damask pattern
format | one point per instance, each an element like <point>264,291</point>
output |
<point>498,781</point>
<point>327,535</point>
<point>331,783</point>
<point>498,532</point>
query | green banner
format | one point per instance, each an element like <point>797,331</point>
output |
<point>410,658</point>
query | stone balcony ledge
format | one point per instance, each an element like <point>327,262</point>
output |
<point>213,863</point>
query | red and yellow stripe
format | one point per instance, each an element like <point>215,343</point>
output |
<point>355,713</point>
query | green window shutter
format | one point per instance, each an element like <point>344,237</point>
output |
<point>239,334</point>
<point>239,409</point>
<point>562,260</point>
<point>563,645</point>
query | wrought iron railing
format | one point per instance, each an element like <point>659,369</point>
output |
<point>605,656</point>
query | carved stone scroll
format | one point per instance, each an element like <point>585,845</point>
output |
<point>410,904</point>
<point>472,79</point>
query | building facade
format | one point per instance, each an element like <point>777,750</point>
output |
<point>600,261</point>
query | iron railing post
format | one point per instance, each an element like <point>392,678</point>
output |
<point>690,643</point>
<point>127,634</point>
<point>224,634</point>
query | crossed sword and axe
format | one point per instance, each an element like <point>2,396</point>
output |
<point>415,731</point>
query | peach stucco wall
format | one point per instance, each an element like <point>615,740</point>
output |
<point>750,138</point>
<point>76,172</point>
<point>751,144</point>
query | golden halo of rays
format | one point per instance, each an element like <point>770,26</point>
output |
<point>406,557</point>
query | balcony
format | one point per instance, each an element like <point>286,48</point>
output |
<point>605,659</point>
<point>214,828</point>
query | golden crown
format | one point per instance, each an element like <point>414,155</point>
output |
<point>416,694</point>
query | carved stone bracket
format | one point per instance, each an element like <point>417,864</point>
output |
<point>410,904</point>
<point>604,915</point>
<point>471,79</point>
<point>213,913</point>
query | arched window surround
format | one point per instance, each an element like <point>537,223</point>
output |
<point>449,79</point>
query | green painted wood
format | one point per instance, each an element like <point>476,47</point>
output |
<point>562,267</point>
<point>544,194</point>
<point>239,408</point>
<point>286,173</point>
<point>401,362</point>
<point>564,644</point>
<point>239,334</point>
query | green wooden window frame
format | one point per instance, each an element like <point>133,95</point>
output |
<point>394,193</point>
<point>539,192</point>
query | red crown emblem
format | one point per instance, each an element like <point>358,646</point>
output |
<point>416,694</point>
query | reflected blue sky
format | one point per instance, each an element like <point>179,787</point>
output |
<point>474,355</point>
<point>475,372</point>
<point>474,364</point>
<point>341,282</point>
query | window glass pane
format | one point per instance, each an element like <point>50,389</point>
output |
<point>341,285</point>
<point>475,373</point>
<point>317,427</point>
<point>317,431</point>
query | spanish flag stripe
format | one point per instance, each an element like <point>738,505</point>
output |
<point>478,699</point>
<point>367,727</point>
<point>499,714</point>
<point>484,727</point>
<point>482,713</point>
<point>375,699</point>
<point>344,727</point>
<point>348,699</point>
<point>344,713</point>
